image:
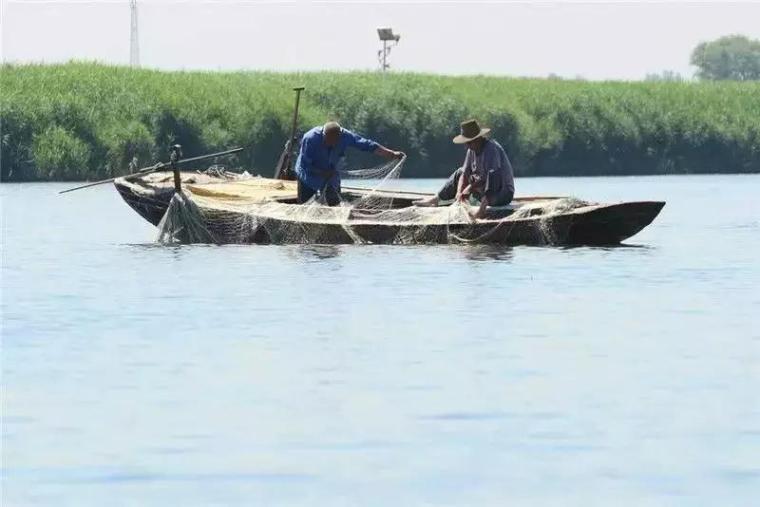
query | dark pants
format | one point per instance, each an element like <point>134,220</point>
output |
<point>328,195</point>
<point>496,196</point>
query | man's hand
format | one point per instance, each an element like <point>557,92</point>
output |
<point>385,152</point>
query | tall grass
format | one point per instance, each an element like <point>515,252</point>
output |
<point>85,121</point>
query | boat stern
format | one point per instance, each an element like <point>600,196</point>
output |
<point>613,223</point>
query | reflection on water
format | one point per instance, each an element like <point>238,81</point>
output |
<point>486,252</point>
<point>315,252</point>
<point>381,375</point>
<point>312,253</point>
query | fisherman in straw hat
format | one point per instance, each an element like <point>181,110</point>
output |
<point>322,151</point>
<point>486,173</point>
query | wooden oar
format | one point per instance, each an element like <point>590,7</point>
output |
<point>284,170</point>
<point>153,168</point>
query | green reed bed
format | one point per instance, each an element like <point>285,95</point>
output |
<point>85,121</point>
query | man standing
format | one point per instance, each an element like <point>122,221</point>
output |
<point>322,149</point>
<point>486,173</point>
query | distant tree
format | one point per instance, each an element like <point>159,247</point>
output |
<point>665,75</point>
<point>734,57</point>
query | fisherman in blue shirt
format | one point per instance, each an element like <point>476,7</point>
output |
<point>322,151</point>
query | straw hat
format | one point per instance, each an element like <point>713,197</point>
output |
<point>470,130</point>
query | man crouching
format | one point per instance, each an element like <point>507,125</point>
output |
<point>486,173</point>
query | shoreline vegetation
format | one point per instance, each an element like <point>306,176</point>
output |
<point>86,121</point>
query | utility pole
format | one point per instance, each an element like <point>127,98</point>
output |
<point>134,41</point>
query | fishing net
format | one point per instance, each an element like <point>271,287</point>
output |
<point>260,210</point>
<point>184,222</point>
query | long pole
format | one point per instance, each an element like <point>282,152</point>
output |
<point>157,167</point>
<point>284,172</point>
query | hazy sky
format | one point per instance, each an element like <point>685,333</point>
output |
<point>597,40</point>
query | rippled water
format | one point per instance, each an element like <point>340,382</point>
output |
<point>135,374</point>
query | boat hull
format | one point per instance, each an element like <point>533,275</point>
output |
<point>597,224</point>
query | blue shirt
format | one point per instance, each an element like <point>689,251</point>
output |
<point>318,164</point>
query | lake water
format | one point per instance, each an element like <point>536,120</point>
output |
<point>136,374</point>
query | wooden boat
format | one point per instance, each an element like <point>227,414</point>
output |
<point>237,209</point>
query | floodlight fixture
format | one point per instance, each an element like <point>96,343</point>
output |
<point>385,34</point>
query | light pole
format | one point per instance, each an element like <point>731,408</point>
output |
<point>134,40</point>
<point>386,35</point>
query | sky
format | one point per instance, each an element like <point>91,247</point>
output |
<point>593,40</point>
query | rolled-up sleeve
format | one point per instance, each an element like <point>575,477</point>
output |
<point>359,142</point>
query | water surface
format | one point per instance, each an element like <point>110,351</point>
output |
<point>136,374</point>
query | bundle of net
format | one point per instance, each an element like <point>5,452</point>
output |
<point>184,222</point>
<point>542,217</point>
<point>357,219</point>
<point>378,216</point>
<point>530,221</point>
